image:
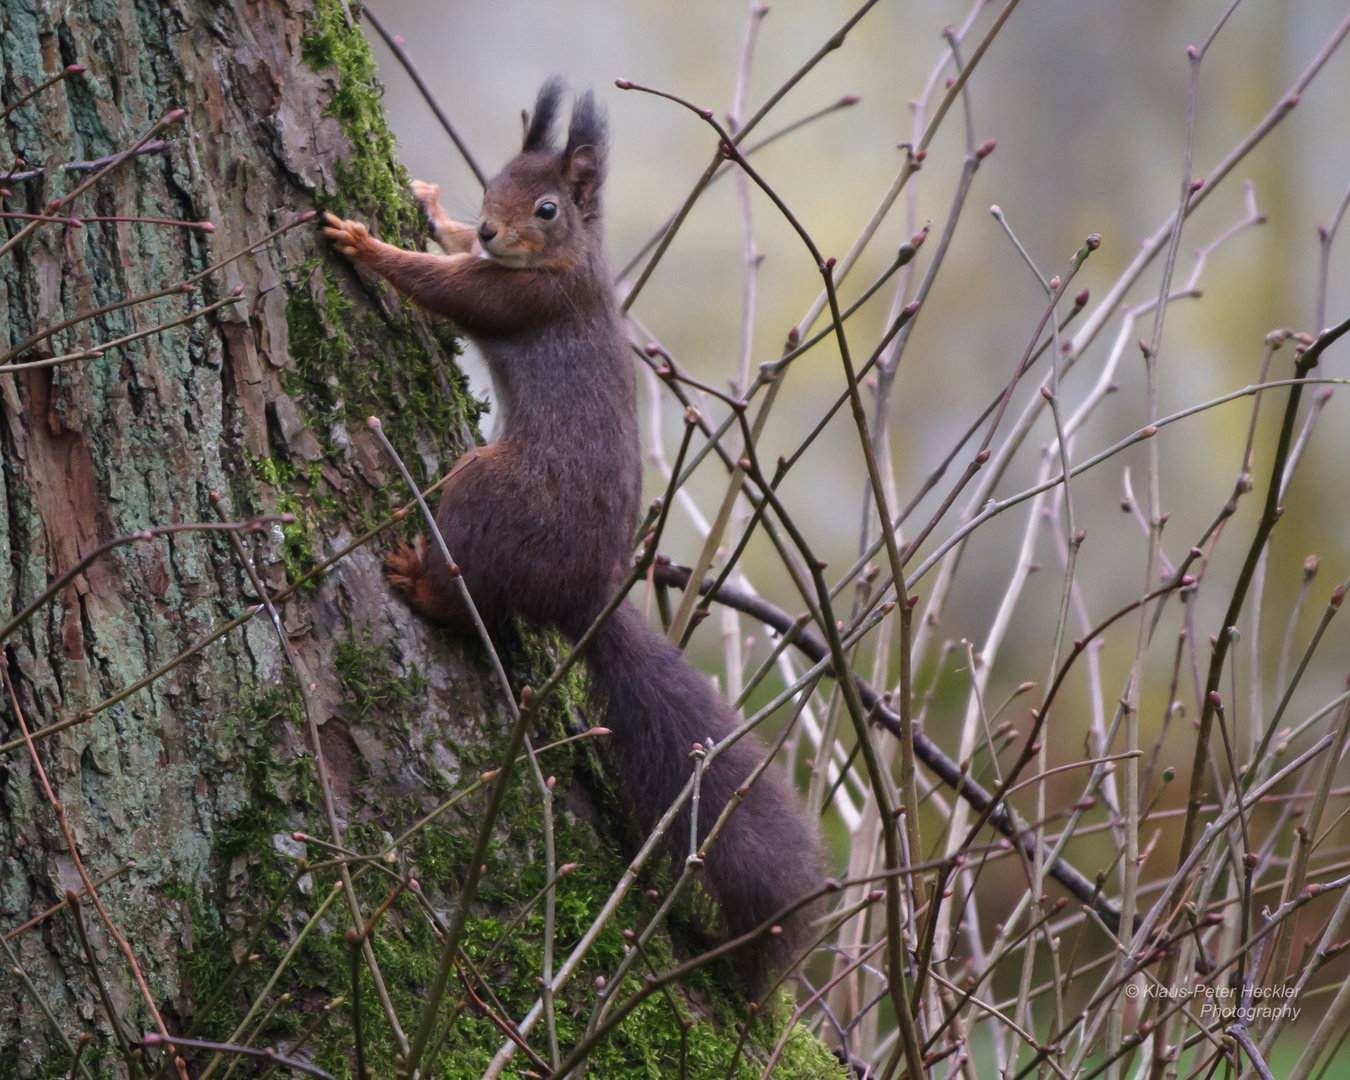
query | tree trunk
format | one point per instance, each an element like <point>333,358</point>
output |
<point>202,776</point>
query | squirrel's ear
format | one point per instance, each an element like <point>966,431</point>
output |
<point>584,158</point>
<point>581,167</point>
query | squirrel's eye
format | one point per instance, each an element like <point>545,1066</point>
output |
<point>548,211</point>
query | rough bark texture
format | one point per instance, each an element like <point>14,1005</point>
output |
<point>202,777</point>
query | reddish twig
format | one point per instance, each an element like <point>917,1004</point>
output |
<point>266,1054</point>
<point>63,74</point>
<point>130,864</point>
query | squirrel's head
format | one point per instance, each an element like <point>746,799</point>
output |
<point>544,207</point>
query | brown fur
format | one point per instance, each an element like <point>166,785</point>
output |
<point>541,523</point>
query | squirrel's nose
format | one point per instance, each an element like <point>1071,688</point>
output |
<point>486,231</point>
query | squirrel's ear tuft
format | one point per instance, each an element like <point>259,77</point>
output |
<point>539,133</point>
<point>588,126</point>
<point>584,157</point>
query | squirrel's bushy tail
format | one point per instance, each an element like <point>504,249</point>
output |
<point>767,854</point>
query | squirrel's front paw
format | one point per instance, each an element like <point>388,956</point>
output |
<point>428,197</point>
<point>404,564</point>
<point>453,237</point>
<point>349,237</point>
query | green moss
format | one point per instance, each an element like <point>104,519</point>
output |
<point>252,874</point>
<point>350,364</point>
<point>351,360</point>
<point>98,1057</point>
<point>373,184</point>
<point>300,545</point>
<point>373,686</point>
<point>371,181</point>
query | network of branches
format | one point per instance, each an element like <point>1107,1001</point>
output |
<point>1177,958</point>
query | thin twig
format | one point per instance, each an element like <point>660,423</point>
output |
<point>401,54</point>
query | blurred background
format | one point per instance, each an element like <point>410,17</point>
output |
<point>1087,102</point>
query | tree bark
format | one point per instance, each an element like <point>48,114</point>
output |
<point>202,776</point>
<point>263,403</point>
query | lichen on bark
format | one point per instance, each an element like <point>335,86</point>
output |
<point>203,777</point>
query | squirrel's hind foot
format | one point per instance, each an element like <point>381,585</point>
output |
<point>405,565</point>
<point>426,584</point>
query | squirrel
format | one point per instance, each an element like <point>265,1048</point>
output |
<point>541,522</point>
